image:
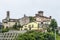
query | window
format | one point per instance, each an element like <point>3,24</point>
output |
<point>25,29</point>
<point>41,22</point>
<point>29,25</point>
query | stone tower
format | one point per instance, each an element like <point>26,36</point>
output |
<point>40,13</point>
<point>8,16</point>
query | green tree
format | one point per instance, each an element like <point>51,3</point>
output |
<point>32,19</point>
<point>5,30</point>
<point>35,35</point>
<point>53,24</point>
<point>19,26</point>
<point>15,26</point>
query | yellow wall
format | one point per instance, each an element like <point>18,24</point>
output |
<point>35,26</point>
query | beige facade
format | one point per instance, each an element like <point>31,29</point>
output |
<point>41,18</point>
<point>8,24</point>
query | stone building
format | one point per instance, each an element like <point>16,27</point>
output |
<point>24,20</point>
<point>9,22</point>
<point>43,20</point>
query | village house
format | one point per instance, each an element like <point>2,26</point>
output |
<point>41,21</point>
<point>9,22</point>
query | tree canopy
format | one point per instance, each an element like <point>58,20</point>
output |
<point>17,26</point>
<point>35,35</point>
<point>53,24</point>
<point>32,19</point>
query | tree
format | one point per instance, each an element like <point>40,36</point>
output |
<point>15,26</point>
<point>19,26</point>
<point>53,24</point>
<point>32,19</point>
<point>35,35</point>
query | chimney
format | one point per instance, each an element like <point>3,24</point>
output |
<point>24,15</point>
<point>40,13</point>
<point>50,17</point>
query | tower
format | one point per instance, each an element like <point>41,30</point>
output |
<point>8,16</point>
<point>40,13</point>
<point>24,15</point>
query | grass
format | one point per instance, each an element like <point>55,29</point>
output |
<point>57,37</point>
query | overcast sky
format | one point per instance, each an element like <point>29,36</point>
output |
<point>18,8</point>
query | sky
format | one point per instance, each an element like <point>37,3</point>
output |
<point>18,8</point>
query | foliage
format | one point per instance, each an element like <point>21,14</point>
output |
<point>58,37</point>
<point>53,24</point>
<point>32,19</point>
<point>17,26</point>
<point>5,30</point>
<point>35,35</point>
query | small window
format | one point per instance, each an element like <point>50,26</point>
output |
<point>41,22</point>
<point>29,25</point>
<point>25,29</point>
<point>6,26</point>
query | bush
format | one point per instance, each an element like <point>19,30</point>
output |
<point>5,30</point>
<point>35,35</point>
